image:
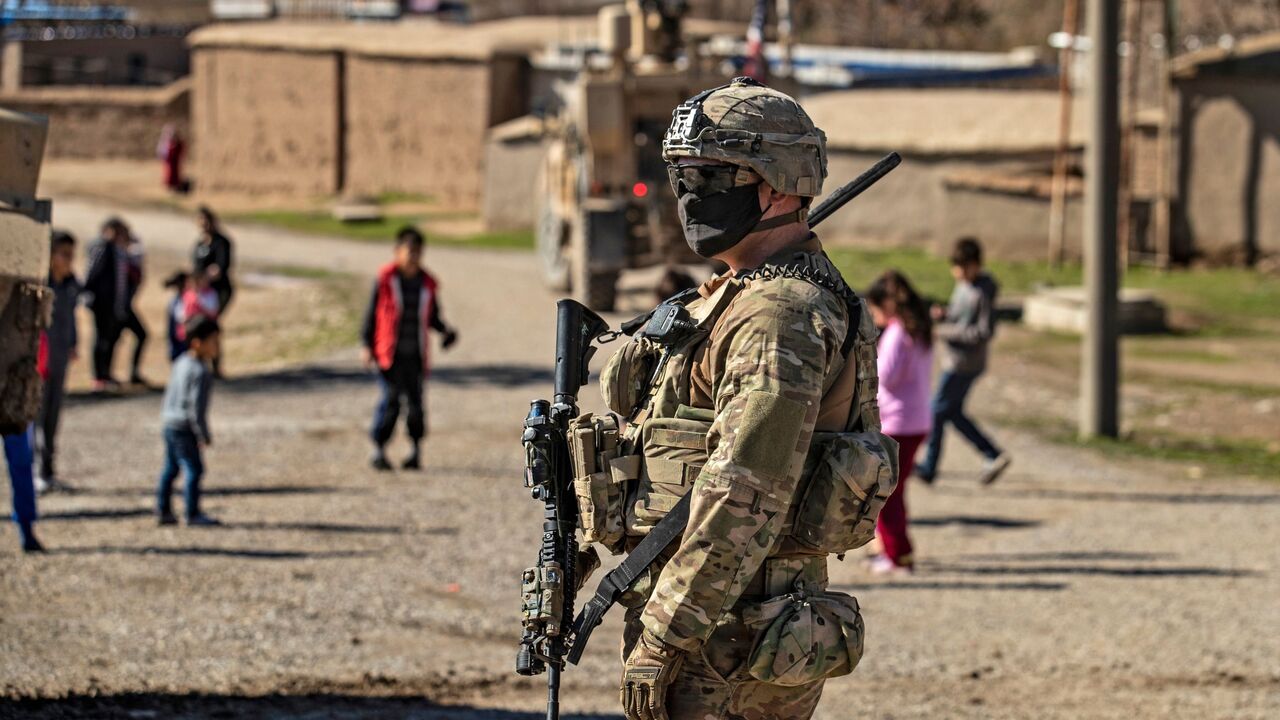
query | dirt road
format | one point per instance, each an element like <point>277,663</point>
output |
<point>1076,587</point>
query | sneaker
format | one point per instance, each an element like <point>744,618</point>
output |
<point>992,468</point>
<point>882,565</point>
<point>925,477</point>
<point>166,518</point>
<point>413,462</point>
<point>44,486</point>
<point>378,461</point>
<point>31,545</point>
<point>140,381</point>
<point>202,520</point>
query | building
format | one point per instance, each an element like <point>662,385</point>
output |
<point>1226,166</point>
<point>331,108</point>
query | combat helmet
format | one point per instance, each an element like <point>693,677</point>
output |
<point>746,123</point>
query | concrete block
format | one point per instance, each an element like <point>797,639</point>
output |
<point>24,248</point>
<point>1063,310</point>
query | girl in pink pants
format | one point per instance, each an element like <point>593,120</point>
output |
<point>904,359</point>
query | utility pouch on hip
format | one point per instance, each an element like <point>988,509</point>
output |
<point>804,637</point>
<point>593,448</point>
<point>674,449</point>
<point>847,479</point>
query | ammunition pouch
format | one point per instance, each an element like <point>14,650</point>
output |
<point>847,479</point>
<point>674,451</point>
<point>593,449</point>
<point>624,381</point>
<point>805,636</point>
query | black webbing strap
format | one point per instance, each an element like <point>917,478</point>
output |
<point>611,587</point>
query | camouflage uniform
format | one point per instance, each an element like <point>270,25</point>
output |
<point>734,621</point>
<point>771,367</point>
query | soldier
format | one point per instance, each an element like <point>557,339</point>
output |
<point>779,371</point>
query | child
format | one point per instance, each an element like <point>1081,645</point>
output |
<point>968,323</point>
<point>904,360</point>
<point>176,282</point>
<point>403,308</point>
<point>58,350</point>
<point>186,423</point>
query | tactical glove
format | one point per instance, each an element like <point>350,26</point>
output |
<point>646,676</point>
<point>588,562</point>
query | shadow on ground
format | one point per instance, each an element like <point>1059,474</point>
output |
<point>193,551</point>
<point>318,706</point>
<point>310,377</point>
<point>988,521</point>
<point>1029,491</point>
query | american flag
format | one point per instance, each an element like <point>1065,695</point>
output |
<point>756,66</point>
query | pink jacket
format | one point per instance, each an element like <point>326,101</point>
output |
<point>905,367</point>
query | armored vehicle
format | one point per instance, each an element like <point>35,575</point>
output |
<point>604,205</point>
<point>24,264</point>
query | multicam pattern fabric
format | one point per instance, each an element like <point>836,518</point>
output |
<point>748,124</point>
<point>776,349</point>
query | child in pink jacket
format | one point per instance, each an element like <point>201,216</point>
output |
<point>904,360</point>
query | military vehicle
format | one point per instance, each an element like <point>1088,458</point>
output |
<point>604,206</point>
<point>25,303</point>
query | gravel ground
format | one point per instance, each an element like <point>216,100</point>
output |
<point>1075,587</point>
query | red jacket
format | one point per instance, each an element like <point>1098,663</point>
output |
<point>386,316</point>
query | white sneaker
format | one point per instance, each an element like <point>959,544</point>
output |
<point>882,565</point>
<point>44,485</point>
<point>992,468</point>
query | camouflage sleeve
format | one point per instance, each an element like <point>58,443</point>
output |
<point>777,345</point>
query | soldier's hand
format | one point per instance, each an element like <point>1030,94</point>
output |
<point>588,561</point>
<point>646,676</point>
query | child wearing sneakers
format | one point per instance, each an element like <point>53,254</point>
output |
<point>404,307</point>
<point>185,416</point>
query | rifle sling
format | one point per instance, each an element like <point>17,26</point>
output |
<point>611,587</point>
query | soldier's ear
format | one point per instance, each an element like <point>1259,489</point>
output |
<point>770,197</point>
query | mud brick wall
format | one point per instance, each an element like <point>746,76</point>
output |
<point>266,120</point>
<point>95,123</point>
<point>416,126</point>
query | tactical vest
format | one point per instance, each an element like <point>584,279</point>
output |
<point>626,480</point>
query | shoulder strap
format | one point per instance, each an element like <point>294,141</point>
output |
<point>621,578</point>
<point>808,272</point>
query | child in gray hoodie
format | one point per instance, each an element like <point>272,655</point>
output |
<point>965,328</point>
<point>185,416</point>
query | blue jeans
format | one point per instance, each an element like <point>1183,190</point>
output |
<point>181,450</point>
<point>18,454</point>
<point>948,407</point>
<point>404,377</point>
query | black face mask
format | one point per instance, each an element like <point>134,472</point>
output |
<point>717,222</point>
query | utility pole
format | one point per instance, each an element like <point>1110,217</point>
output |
<point>1099,382</point>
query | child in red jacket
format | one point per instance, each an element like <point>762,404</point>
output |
<point>404,308</point>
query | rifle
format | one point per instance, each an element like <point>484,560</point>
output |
<point>549,588</point>
<point>853,189</point>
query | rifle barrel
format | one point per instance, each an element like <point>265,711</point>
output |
<point>837,199</point>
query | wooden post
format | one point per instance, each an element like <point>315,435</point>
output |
<point>1058,191</point>
<point>1129,114</point>
<point>1162,222</point>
